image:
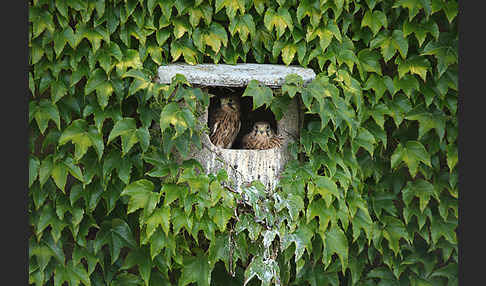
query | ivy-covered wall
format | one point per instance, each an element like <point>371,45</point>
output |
<point>369,199</point>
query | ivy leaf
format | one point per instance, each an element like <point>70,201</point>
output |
<point>126,129</point>
<point>391,44</point>
<point>420,189</point>
<point>408,83</point>
<point>220,215</point>
<point>326,187</point>
<point>444,229</point>
<point>83,137</point>
<point>421,30</point>
<point>74,274</point>
<point>43,112</point>
<point>394,231</point>
<point>452,156</point>
<point>427,121</point>
<point>302,238</point>
<point>162,217</point>
<point>162,35</point>
<point>141,196</point>
<point>310,8</point>
<point>445,52</point>
<point>295,204</point>
<point>34,165</point>
<point>415,65</point>
<point>244,25</point>
<point>117,234</point>
<point>451,10</point>
<point>232,6</point>
<point>131,59</point>
<point>97,78</point>
<point>399,107</point>
<point>336,242</point>
<point>261,94</point>
<point>264,270</point>
<point>325,36</point>
<point>400,43</point>
<point>141,258</point>
<point>127,279</point>
<point>181,119</point>
<point>195,269</point>
<point>413,7</point>
<point>201,11</point>
<point>59,174</point>
<point>364,139</point>
<point>374,20</point>
<point>370,61</point>
<point>216,36</point>
<point>181,26</point>
<point>412,153</point>
<point>377,84</point>
<point>219,250</point>
<point>281,20</point>
<point>288,53</point>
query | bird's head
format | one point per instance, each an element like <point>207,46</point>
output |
<point>262,128</point>
<point>230,103</point>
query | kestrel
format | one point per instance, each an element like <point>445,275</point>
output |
<point>225,123</point>
<point>261,137</point>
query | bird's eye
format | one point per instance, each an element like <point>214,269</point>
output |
<point>268,127</point>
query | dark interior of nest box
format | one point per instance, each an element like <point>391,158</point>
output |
<point>248,116</point>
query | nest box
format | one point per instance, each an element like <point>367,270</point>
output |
<point>241,165</point>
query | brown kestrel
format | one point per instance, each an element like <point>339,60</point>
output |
<point>261,137</point>
<point>225,123</point>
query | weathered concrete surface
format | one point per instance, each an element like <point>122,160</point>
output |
<point>233,75</point>
<point>243,166</point>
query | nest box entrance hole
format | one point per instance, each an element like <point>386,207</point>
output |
<point>248,115</point>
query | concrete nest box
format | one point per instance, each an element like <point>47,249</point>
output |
<point>243,166</point>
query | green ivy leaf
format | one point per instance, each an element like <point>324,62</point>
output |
<point>427,121</point>
<point>310,8</point>
<point>394,231</point>
<point>117,234</point>
<point>127,131</point>
<point>444,229</point>
<point>280,19</point>
<point>420,189</point>
<point>160,216</point>
<point>264,270</point>
<point>261,94</point>
<point>288,53</point>
<point>452,157</point>
<point>413,7</point>
<point>336,242</point>
<point>195,270</point>
<point>141,196</point>
<point>412,153</point>
<point>181,119</point>
<point>374,20</point>
<point>44,111</point>
<point>369,61</point>
<point>326,187</point>
<point>74,274</point>
<point>139,257</point>
<point>364,139</point>
<point>415,65</point>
